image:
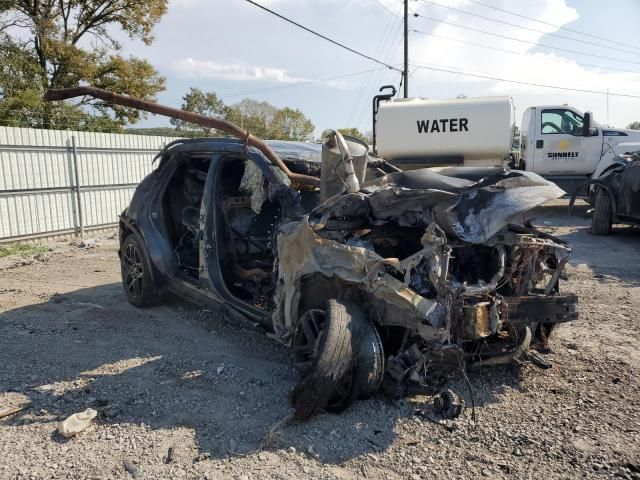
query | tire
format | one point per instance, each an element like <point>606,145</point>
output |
<point>136,278</point>
<point>367,369</point>
<point>331,360</point>
<point>369,360</point>
<point>602,214</point>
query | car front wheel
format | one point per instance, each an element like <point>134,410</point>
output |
<point>136,278</point>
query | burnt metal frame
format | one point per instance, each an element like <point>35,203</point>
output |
<point>145,219</point>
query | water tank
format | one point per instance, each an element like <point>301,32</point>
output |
<point>416,132</point>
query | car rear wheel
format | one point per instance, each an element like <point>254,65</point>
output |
<point>603,213</point>
<point>136,278</point>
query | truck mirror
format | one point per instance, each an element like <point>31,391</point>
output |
<point>587,129</point>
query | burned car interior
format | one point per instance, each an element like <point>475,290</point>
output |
<point>245,232</point>
<point>181,202</point>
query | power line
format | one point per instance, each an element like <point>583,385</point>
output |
<point>385,49</point>
<point>355,107</point>
<point>519,40</point>
<point>341,45</point>
<point>394,43</point>
<point>514,52</point>
<point>529,28</point>
<point>490,77</point>
<point>510,12</point>
<point>386,8</point>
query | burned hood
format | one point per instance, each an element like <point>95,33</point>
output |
<point>472,205</point>
<point>484,210</point>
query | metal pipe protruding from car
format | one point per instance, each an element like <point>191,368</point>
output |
<point>300,181</point>
<point>351,182</point>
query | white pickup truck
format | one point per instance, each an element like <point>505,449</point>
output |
<point>567,147</point>
<point>557,142</point>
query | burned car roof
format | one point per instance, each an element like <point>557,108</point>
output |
<point>300,157</point>
<point>288,150</point>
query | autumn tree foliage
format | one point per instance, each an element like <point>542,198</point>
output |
<point>65,43</point>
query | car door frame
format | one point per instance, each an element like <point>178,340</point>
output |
<point>212,279</point>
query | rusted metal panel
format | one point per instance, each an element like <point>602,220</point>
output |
<point>543,309</point>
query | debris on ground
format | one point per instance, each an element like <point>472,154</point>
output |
<point>448,404</point>
<point>77,422</point>
<point>11,410</point>
<point>131,468</point>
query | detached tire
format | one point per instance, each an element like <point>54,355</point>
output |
<point>603,214</point>
<point>136,278</point>
<point>331,357</point>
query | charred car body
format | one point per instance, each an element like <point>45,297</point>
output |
<point>374,276</point>
<point>403,282</point>
<point>616,195</point>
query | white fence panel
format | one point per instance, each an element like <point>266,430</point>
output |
<point>38,188</point>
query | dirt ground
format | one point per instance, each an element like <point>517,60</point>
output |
<point>185,393</point>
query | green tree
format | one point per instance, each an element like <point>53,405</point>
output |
<point>257,117</point>
<point>261,118</point>
<point>634,126</point>
<point>290,124</point>
<point>195,100</point>
<point>63,43</point>
<point>352,132</point>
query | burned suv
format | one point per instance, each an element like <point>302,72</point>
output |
<point>379,279</point>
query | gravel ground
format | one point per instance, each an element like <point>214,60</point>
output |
<point>185,393</point>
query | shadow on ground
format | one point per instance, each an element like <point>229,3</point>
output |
<point>170,367</point>
<point>614,255</point>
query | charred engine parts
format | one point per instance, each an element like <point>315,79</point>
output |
<point>448,404</point>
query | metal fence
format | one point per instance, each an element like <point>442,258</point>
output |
<point>54,182</point>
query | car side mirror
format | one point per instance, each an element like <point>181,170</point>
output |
<point>587,129</point>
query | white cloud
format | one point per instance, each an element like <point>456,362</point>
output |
<point>527,64</point>
<point>200,69</point>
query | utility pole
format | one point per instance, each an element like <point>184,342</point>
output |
<point>405,72</point>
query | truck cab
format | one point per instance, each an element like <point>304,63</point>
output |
<point>565,146</point>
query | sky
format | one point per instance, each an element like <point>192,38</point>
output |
<point>237,50</point>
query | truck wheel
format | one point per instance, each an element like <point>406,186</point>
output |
<point>367,370</point>
<point>324,355</point>
<point>136,279</point>
<point>602,214</point>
